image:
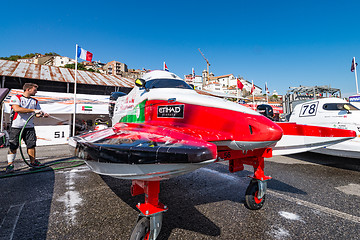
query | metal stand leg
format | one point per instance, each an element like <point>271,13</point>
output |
<point>152,208</point>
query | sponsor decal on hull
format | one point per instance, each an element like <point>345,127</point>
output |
<point>170,111</point>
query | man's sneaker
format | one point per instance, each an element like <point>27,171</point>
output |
<point>36,164</point>
<point>10,168</point>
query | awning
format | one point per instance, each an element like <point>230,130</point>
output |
<point>63,103</point>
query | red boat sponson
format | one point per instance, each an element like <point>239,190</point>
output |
<point>315,131</point>
<point>216,124</point>
<point>300,138</point>
<point>139,151</point>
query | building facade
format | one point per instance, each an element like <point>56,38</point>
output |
<point>55,61</point>
<point>115,68</point>
<point>196,81</point>
<point>225,80</point>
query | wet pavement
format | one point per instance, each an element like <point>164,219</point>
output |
<point>311,196</point>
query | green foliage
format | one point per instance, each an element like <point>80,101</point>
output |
<point>11,58</point>
<point>51,54</point>
<point>29,55</point>
<point>274,98</point>
<point>80,66</point>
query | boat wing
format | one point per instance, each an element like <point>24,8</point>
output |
<point>135,143</point>
<point>301,138</point>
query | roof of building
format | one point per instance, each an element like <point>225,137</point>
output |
<point>223,76</point>
<point>59,74</point>
<point>250,83</point>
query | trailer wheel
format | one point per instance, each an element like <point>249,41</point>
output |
<point>251,199</point>
<point>141,230</point>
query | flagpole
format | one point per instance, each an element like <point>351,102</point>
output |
<point>266,91</point>
<point>74,117</point>
<point>357,91</point>
<point>253,93</point>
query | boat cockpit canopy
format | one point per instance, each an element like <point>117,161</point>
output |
<point>167,83</point>
<point>339,106</point>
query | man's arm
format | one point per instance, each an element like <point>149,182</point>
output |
<point>19,109</point>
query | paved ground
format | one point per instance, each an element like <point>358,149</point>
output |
<point>311,197</point>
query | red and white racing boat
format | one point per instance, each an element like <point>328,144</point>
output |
<point>163,128</point>
<point>332,113</point>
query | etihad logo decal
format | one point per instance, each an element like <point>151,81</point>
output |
<point>170,111</point>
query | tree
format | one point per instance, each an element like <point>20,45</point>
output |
<point>80,66</point>
<point>274,98</point>
<point>29,55</point>
<point>51,54</point>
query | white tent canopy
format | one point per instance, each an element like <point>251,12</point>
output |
<point>63,103</point>
<point>56,128</point>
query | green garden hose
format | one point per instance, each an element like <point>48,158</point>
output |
<point>40,168</point>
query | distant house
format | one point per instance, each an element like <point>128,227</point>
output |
<point>225,80</point>
<point>55,61</point>
<point>134,73</point>
<point>26,60</point>
<point>115,68</point>
<point>195,81</point>
<point>213,87</point>
<point>247,86</point>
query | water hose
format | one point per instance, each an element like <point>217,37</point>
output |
<point>39,168</point>
<point>20,135</point>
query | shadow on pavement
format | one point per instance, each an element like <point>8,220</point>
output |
<point>213,184</point>
<point>327,160</point>
<point>25,205</point>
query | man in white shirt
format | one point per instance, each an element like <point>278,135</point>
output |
<point>23,106</point>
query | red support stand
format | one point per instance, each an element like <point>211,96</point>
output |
<point>254,158</point>
<point>151,189</point>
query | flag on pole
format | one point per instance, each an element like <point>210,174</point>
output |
<point>193,73</point>
<point>252,87</point>
<point>239,84</point>
<point>353,64</point>
<point>83,54</point>
<point>165,68</point>
<point>266,89</point>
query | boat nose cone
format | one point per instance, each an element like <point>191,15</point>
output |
<point>256,132</point>
<point>264,129</point>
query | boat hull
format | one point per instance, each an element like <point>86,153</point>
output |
<point>348,149</point>
<point>149,172</point>
<point>136,151</point>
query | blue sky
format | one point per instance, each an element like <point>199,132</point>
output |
<point>283,43</point>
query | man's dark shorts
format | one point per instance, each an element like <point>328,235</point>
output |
<point>29,136</point>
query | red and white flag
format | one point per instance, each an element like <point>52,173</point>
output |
<point>83,54</point>
<point>165,68</point>
<point>239,84</point>
<point>252,87</point>
<point>266,89</point>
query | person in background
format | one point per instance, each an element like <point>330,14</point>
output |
<point>23,106</point>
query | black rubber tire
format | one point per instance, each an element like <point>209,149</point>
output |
<point>141,229</point>
<point>251,200</point>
